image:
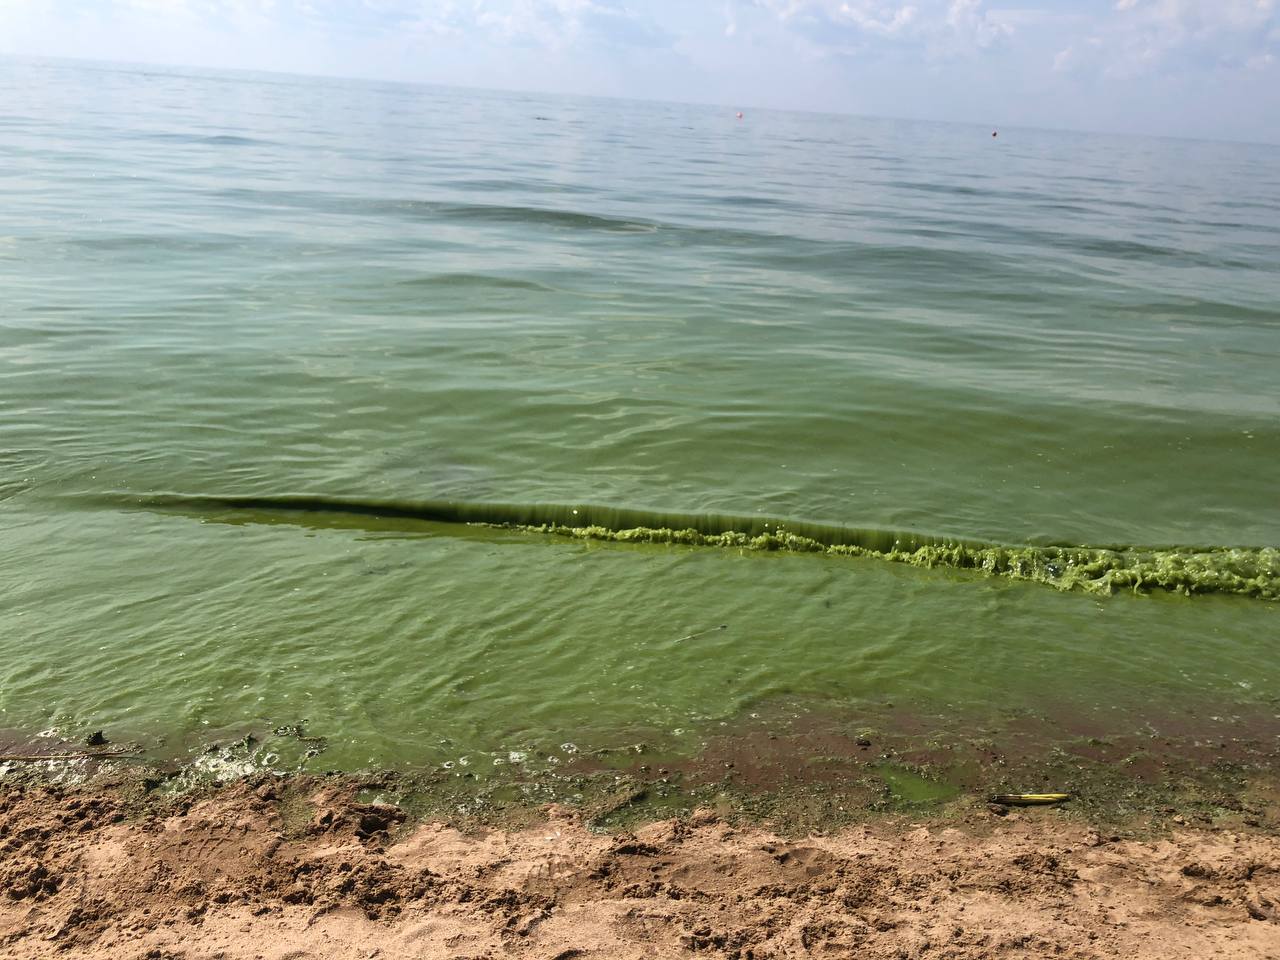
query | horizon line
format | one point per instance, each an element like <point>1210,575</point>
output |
<point>363,79</point>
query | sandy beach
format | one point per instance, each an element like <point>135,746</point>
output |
<point>299,868</point>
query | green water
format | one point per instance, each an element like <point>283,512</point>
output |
<point>226,295</point>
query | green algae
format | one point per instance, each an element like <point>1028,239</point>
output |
<point>911,787</point>
<point>1241,571</point>
<point>1244,572</point>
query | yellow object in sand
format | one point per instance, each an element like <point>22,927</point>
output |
<point>1029,799</point>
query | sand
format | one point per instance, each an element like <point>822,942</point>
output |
<point>282,869</point>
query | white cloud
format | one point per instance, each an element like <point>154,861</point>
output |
<point>1201,15</point>
<point>1076,54</point>
<point>886,19</point>
<point>941,28</point>
<point>1126,38</point>
<point>977,26</point>
<point>553,24</point>
<point>1145,35</point>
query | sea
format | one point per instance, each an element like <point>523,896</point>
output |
<point>468,427</point>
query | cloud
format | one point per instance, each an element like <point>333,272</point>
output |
<point>885,19</point>
<point>979,27</point>
<point>937,28</point>
<point>553,24</point>
<point>862,16</point>
<point>1144,36</point>
<point>1119,38</point>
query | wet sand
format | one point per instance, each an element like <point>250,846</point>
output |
<point>300,867</point>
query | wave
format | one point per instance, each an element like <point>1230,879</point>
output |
<point>1242,571</point>
<point>775,245</point>
<point>215,139</point>
<point>481,280</point>
<point>536,216</point>
<point>230,140</point>
<point>500,214</point>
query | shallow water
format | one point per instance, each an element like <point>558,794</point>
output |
<point>221,286</point>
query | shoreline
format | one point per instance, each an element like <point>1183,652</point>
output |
<point>795,772</point>
<point>813,837</point>
<point>303,866</point>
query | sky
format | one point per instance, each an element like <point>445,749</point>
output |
<point>1192,68</point>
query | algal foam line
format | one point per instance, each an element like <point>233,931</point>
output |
<point>1243,571</point>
